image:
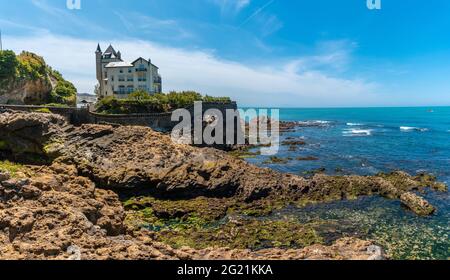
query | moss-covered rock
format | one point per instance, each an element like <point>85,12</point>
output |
<point>244,234</point>
<point>208,208</point>
<point>14,170</point>
<point>277,160</point>
<point>417,204</point>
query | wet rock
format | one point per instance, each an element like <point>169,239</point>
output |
<point>276,160</point>
<point>293,143</point>
<point>308,158</point>
<point>417,204</point>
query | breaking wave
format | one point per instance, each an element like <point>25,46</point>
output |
<point>357,132</point>
<point>409,129</point>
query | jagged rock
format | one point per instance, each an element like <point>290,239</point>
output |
<point>126,157</point>
<point>70,219</point>
<point>58,212</point>
<point>343,249</point>
<point>4,176</point>
<point>38,134</point>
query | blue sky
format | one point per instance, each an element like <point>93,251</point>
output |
<point>303,53</point>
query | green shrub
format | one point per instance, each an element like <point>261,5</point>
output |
<point>143,102</point>
<point>183,99</point>
<point>140,95</point>
<point>8,64</point>
<point>56,105</point>
<point>208,98</point>
<point>31,66</point>
<point>64,93</point>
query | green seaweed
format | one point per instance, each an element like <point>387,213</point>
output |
<point>12,168</point>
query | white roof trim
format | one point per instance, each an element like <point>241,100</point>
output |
<point>118,64</point>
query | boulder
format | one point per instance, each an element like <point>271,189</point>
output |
<point>31,133</point>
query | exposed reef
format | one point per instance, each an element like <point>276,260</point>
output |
<point>170,194</point>
<point>52,213</point>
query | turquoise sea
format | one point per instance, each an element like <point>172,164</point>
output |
<point>367,141</point>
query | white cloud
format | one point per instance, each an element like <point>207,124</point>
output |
<point>66,17</point>
<point>273,84</point>
<point>145,24</point>
<point>231,6</point>
<point>242,4</point>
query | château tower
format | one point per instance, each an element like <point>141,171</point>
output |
<point>98,64</point>
<point>119,78</point>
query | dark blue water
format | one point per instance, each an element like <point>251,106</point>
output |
<point>367,141</point>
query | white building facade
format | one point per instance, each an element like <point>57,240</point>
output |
<point>118,78</point>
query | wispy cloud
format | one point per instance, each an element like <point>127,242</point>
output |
<point>15,25</point>
<point>66,18</point>
<point>330,56</point>
<point>257,12</point>
<point>273,84</point>
<point>231,6</point>
<point>267,23</point>
<point>153,26</point>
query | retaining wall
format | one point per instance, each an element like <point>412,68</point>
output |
<point>157,121</point>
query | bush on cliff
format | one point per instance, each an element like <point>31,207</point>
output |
<point>64,92</point>
<point>8,64</point>
<point>17,71</point>
<point>32,66</point>
<point>143,102</point>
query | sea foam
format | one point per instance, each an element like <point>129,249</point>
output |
<point>357,132</point>
<point>409,129</point>
<point>354,124</point>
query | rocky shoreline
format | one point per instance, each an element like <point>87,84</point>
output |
<point>103,192</point>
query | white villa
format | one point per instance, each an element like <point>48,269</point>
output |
<point>119,78</point>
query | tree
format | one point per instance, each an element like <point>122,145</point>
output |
<point>97,90</point>
<point>8,64</point>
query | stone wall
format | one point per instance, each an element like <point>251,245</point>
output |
<point>157,121</point>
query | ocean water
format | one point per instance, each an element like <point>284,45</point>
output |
<point>367,141</point>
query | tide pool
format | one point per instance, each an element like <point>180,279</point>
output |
<point>366,141</point>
